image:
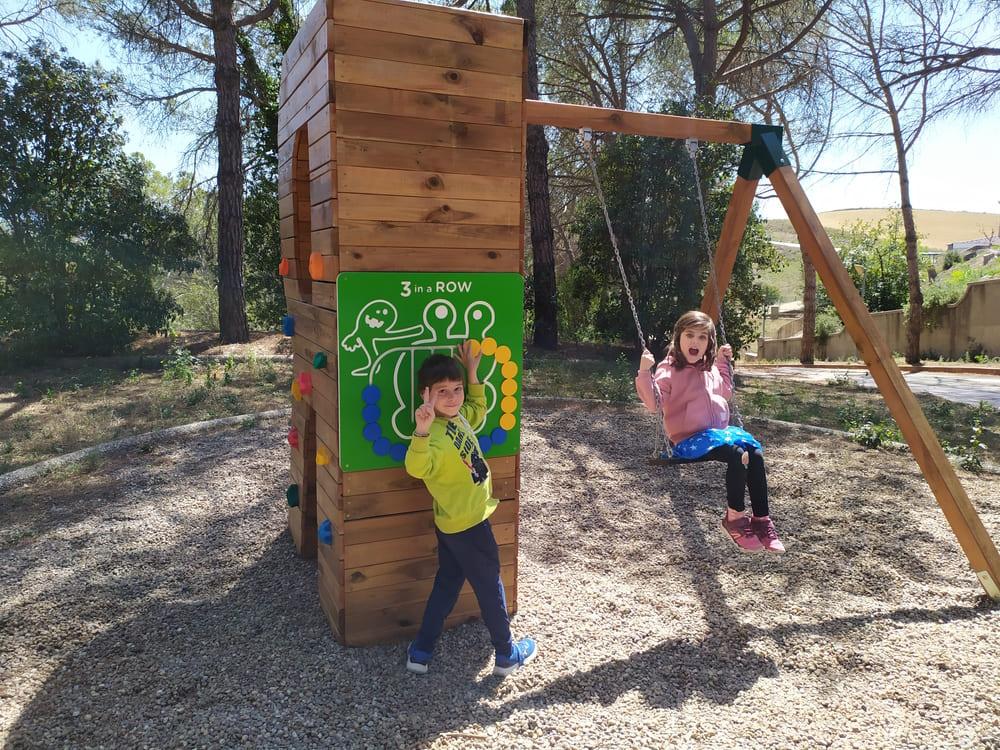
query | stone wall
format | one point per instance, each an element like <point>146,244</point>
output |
<point>971,324</point>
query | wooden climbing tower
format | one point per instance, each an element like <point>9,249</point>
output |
<point>401,144</point>
<point>401,149</point>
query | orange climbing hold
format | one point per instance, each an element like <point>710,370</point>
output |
<point>316,265</point>
<point>283,267</point>
<point>296,390</point>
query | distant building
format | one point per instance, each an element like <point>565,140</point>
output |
<point>982,242</point>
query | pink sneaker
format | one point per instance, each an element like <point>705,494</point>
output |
<point>742,534</point>
<point>764,529</point>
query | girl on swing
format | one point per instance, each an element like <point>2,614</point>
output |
<point>693,385</point>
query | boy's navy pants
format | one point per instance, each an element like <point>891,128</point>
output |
<point>468,555</point>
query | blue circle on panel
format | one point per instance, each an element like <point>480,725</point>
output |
<point>381,447</point>
<point>372,431</point>
<point>397,452</point>
<point>498,436</point>
<point>371,394</point>
<point>485,444</point>
<point>371,413</point>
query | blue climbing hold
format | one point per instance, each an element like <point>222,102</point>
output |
<point>498,436</point>
<point>288,325</point>
<point>397,452</point>
<point>371,394</point>
<point>485,443</point>
<point>381,447</point>
<point>371,413</point>
<point>325,532</point>
<point>372,432</point>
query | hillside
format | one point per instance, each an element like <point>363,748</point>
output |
<point>937,228</point>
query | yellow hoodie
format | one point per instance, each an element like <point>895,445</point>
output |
<point>453,468</point>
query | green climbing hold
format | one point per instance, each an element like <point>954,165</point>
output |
<point>319,361</point>
<point>293,495</point>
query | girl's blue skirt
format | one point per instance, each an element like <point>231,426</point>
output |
<point>702,442</point>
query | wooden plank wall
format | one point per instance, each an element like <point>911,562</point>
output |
<point>401,143</point>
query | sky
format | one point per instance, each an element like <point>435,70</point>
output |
<point>955,165</point>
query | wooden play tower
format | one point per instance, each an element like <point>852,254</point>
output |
<point>401,151</point>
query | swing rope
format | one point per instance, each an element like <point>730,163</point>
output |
<point>662,446</point>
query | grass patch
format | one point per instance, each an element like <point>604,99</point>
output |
<point>50,412</point>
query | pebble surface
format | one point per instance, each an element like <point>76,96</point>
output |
<point>158,602</point>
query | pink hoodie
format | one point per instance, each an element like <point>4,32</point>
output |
<point>693,399</point>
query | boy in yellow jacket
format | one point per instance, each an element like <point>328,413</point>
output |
<point>444,453</point>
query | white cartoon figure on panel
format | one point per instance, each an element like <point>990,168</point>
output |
<point>375,330</point>
<point>439,318</point>
<point>439,334</point>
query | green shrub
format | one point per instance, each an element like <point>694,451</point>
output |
<point>618,385</point>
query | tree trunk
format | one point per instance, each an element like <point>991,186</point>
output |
<point>808,310</point>
<point>233,325</point>
<point>546,333</point>
<point>914,318</point>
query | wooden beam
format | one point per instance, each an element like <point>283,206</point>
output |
<point>904,407</point>
<point>733,229</point>
<point>578,116</point>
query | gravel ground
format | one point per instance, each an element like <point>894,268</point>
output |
<point>157,602</point>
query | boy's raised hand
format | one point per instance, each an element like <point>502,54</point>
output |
<point>424,415</point>
<point>469,355</point>
<point>647,361</point>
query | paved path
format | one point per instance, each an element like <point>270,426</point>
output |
<point>965,389</point>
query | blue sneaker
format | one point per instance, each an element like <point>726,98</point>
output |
<point>417,660</point>
<point>523,652</point>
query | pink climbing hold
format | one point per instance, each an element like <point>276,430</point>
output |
<point>305,383</point>
<point>293,437</point>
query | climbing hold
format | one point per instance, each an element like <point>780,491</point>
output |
<point>296,390</point>
<point>316,265</point>
<point>325,532</point>
<point>305,383</point>
<point>292,493</point>
<point>322,456</point>
<point>293,437</point>
<point>283,267</point>
<point>288,325</point>
<point>319,361</point>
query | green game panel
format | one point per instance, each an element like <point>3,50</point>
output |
<point>387,323</point>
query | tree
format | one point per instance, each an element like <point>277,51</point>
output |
<point>893,101</point>
<point>546,333</point>
<point>647,183</point>
<point>195,49</point>
<point>262,72</point>
<point>80,242</point>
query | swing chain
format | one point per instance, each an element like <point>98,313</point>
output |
<point>585,137</point>
<point>692,149</point>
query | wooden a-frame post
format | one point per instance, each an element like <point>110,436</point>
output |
<point>764,157</point>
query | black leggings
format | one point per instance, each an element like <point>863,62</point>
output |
<point>738,476</point>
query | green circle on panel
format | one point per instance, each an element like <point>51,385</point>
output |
<point>388,323</point>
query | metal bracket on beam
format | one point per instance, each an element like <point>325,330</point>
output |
<point>763,154</point>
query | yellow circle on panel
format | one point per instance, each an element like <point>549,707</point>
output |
<point>489,346</point>
<point>475,347</point>
<point>509,369</point>
<point>509,387</point>
<point>507,421</point>
<point>508,405</point>
<point>503,354</point>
